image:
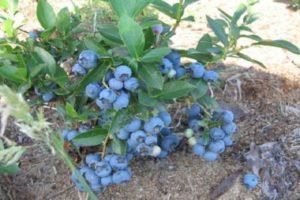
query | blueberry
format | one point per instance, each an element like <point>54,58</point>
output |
<point>102,168</point>
<point>138,137</point>
<point>131,84</point>
<point>228,141</point>
<point>202,141</point>
<point>129,156</point>
<point>163,154</point>
<point>122,134</point>
<point>165,131</point>
<point>251,180</point>
<point>65,133</point>
<point>88,59</point>
<point>122,101</point>
<point>194,111</point>
<point>210,156</point>
<point>131,144</point>
<point>217,146</point>
<point>109,75</point>
<point>72,134</point>
<point>84,128</point>
<point>217,133</point>
<point>33,35</point>
<point>170,142</point>
<point>84,170</point>
<point>227,116</point>
<point>108,95</point>
<point>180,72</point>
<point>118,162</point>
<point>154,125</point>
<point>143,149</point>
<point>194,125</point>
<point>134,125</point>
<point>123,73</point>
<point>121,176</point>
<point>92,90</point>
<point>151,140</point>
<point>115,84</point>
<point>165,117</point>
<point>106,181</point>
<point>91,177</point>
<point>198,149</point>
<point>166,66</point>
<point>108,157</point>
<point>197,70</point>
<point>174,57</point>
<point>157,29</point>
<point>91,159</point>
<point>103,104</point>
<point>229,128</point>
<point>97,187</point>
<point>77,69</point>
<point>48,96</point>
<point>211,76</point>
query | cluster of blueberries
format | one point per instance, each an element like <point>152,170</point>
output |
<point>219,137</point>
<point>117,94</point>
<point>88,59</point>
<point>46,96</point>
<point>171,66</point>
<point>150,138</point>
<point>100,173</point>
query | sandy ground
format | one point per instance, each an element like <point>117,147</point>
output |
<point>268,110</point>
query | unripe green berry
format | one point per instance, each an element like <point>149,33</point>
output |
<point>171,73</point>
<point>189,133</point>
<point>192,141</point>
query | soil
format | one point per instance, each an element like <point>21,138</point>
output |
<point>265,101</point>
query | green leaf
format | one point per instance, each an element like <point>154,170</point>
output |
<point>151,75</point>
<point>246,57</point>
<point>164,7</point>
<point>189,2</point>
<point>252,37</point>
<point>47,59</point>
<point>200,90</point>
<point>175,89</point>
<point>155,55</point>
<point>131,8</point>
<point>1,145</point>
<point>228,17</point>
<point>148,22</point>
<point>11,155</point>
<point>95,75</point>
<point>281,44</point>
<point>13,73</point>
<point>110,32</point>
<point>204,43</point>
<point>189,19</point>
<point>120,119</point>
<point>63,22</point>
<point>132,35</point>
<point>218,30</point>
<point>118,146</point>
<point>71,112</point>
<point>208,102</point>
<point>46,14</point>
<point>9,169</point>
<point>8,27</point>
<point>61,77</point>
<point>146,100</point>
<point>91,138</point>
<point>4,4</point>
<point>238,13</point>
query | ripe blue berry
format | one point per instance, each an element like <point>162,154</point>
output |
<point>170,142</point>
<point>97,187</point>
<point>106,181</point>
<point>102,169</point>
<point>134,125</point>
<point>72,134</point>
<point>211,76</point>
<point>229,128</point>
<point>115,84</point>
<point>121,176</point>
<point>227,116</point>
<point>174,57</point>
<point>180,72</point>
<point>194,111</point>
<point>165,131</point>
<point>77,69</point>
<point>197,70</point>
<point>143,149</point>
<point>107,96</point>
<point>202,141</point>
<point>91,177</point>
<point>198,149</point>
<point>92,90</point>
<point>118,162</point>
<point>131,84</point>
<point>65,133</point>
<point>48,96</point>
<point>91,159</point>
<point>228,141</point>
<point>138,137</point>
<point>217,133</point>
<point>251,180</point>
<point>217,146</point>
<point>123,73</point>
<point>88,59</point>
<point>122,101</point>
<point>163,154</point>
<point>123,134</point>
<point>166,66</point>
<point>165,117</point>
<point>157,29</point>
<point>151,140</point>
<point>154,125</point>
<point>194,125</point>
<point>210,156</point>
<point>33,35</point>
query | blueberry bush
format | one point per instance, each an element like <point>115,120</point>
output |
<point>116,96</point>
